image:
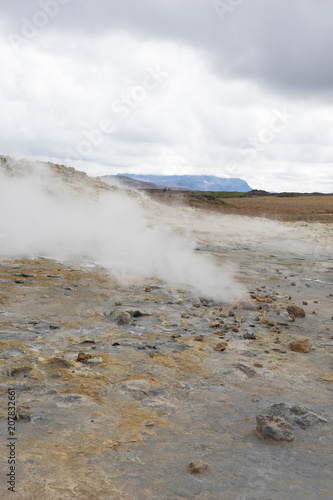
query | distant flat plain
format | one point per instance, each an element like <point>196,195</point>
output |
<point>281,206</point>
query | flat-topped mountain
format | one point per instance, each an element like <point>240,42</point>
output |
<point>194,182</point>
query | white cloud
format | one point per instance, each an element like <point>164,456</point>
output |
<point>220,89</point>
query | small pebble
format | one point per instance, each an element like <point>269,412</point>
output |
<point>199,338</point>
<point>198,467</point>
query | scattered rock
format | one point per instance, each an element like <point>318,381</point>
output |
<point>147,289</point>
<point>20,372</point>
<point>300,346</point>
<point>221,346</point>
<point>54,327</point>
<point>199,338</point>
<point>121,317</point>
<point>291,318</point>
<point>258,364</point>
<point>256,297</point>
<point>249,336</point>
<point>175,335</point>
<point>23,417</point>
<point>82,357</point>
<point>185,315</point>
<point>276,428</point>
<point>249,372</point>
<point>118,303</point>
<point>198,466</point>
<point>298,312</point>
<point>267,321</point>
<point>296,414</point>
<point>137,313</point>
<point>206,301</point>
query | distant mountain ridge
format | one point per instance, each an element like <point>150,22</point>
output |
<point>194,182</point>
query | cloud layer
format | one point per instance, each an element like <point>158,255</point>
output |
<point>228,88</point>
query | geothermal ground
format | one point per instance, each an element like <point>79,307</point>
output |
<point>149,392</point>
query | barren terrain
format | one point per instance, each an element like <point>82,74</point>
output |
<point>284,206</point>
<point>152,393</point>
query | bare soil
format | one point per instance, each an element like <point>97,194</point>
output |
<point>284,207</point>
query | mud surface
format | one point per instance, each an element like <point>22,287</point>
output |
<point>126,423</point>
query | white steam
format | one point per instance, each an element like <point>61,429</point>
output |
<point>41,216</point>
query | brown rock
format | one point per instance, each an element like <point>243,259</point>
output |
<point>221,346</point>
<point>291,318</point>
<point>175,336</point>
<point>199,338</point>
<point>300,346</point>
<point>147,289</point>
<point>185,315</point>
<point>298,312</point>
<point>256,297</point>
<point>82,357</point>
<point>267,321</point>
<point>258,364</point>
<point>198,466</point>
<point>118,303</point>
<point>304,303</point>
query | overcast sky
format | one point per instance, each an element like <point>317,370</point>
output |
<point>233,88</point>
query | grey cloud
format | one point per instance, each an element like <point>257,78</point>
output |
<point>285,45</point>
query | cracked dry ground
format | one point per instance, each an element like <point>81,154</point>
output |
<point>155,394</point>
